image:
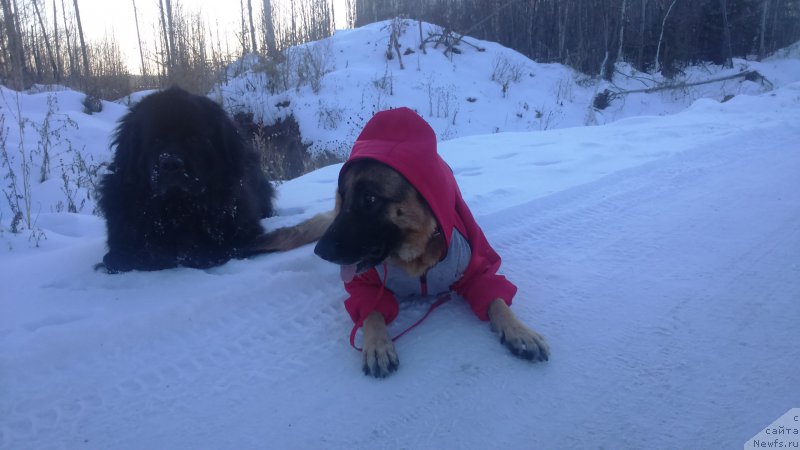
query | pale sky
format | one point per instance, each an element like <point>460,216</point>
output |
<point>106,16</point>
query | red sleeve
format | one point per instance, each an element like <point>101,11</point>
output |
<point>481,284</point>
<point>368,294</point>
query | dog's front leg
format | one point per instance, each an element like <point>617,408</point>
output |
<point>521,340</point>
<point>380,359</point>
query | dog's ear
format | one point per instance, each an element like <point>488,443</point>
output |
<point>127,151</point>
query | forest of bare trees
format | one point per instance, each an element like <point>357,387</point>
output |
<point>43,41</point>
<point>585,33</point>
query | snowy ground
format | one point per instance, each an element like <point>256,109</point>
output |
<point>660,256</point>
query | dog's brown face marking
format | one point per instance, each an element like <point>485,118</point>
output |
<point>419,250</point>
<point>380,216</point>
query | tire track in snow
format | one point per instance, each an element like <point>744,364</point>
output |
<point>164,363</point>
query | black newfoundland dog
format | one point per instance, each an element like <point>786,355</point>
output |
<point>184,188</point>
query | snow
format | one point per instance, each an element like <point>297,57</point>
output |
<point>658,254</point>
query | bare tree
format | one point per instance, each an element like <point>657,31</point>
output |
<point>642,29</point>
<point>49,49</point>
<point>656,65</point>
<point>252,28</point>
<point>70,52</point>
<point>55,37</point>
<point>621,30</point>
<point>562,29</point>
<point>167,53</point>
<point>86,72</point>
<point>139,38</point>
<point>269,30</point>
<point>727,52</point>
<point>16,58</point>
<point>294,24</point>
<point>173,53</point>
<point>244,27</point>
<point>351,13</point>
<point>762,29</point>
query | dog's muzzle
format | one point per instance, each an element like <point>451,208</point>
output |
<point>169,175</point>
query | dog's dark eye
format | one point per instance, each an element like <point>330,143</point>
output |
<point>370,199</point>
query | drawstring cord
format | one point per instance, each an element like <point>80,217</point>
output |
<point>442,299</point>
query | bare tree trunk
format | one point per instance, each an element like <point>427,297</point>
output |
<point>38,73</point>
<point>294,40</point>
<point>351,13</point>
<point>167,50</point>
<point>727,53</point>
<point>640,58</point>
<point>48,48</point>
<point>773,43</point>
<point>244,27</point>
<point>139,38</point>
<point>84,52</point>
<point>657,67</point>
<point>55,38</point>
<point>269,29</point>
<point>606,74</point>
<point>422,40</point>
<point>15,47</point>
<point>70,48</point>
<point>252,28</point>
<point>173,54</point>
<point>562,31</point>
<point>621,30</point>
<point>763,30</point>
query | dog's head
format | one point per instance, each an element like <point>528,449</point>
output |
<point>173,143</point>
<point>379,216</point>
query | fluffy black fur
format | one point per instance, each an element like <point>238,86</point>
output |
<point>184,187</point>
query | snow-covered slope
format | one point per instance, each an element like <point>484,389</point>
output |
<point>459,96</point>
<point>658,255</point>
<point>50,153</point>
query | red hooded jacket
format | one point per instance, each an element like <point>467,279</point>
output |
<point>403,140</point>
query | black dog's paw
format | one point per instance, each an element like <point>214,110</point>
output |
<point>120,261</point>
<point>380,358</point>
<point>102,267</point>
<point>525,343</point>
<point>113,262</point>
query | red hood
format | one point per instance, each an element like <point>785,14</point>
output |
<point>403,140</point>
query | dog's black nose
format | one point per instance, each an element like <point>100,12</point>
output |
<point>170,164</point>
<point>325,249</point>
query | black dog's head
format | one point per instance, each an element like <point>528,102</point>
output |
<point>179,141</point>
<point>379,215</point>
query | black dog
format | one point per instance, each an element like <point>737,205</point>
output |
<point>184,188</point>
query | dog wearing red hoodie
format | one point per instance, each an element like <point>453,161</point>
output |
<point>401,230</point>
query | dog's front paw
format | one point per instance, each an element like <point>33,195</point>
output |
<point>524,342</point>
<point>380,358</point>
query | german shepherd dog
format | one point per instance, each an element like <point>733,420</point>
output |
<point>380,218</point>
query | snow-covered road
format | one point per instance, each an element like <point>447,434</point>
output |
<point>669,292</point>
